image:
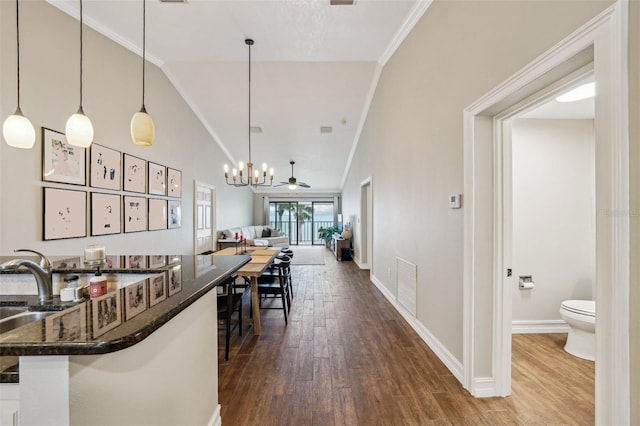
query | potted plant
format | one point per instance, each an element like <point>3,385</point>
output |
<point>326,234</point>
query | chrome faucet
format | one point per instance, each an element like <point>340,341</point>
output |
<point>41,272</point>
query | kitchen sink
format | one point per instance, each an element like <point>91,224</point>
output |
<point>23,318</point>
<point>9,311</point>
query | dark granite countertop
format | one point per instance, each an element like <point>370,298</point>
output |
<point>186,279</point>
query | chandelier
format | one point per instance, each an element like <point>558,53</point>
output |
<point>253,177</point>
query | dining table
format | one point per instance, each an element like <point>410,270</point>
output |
<point>261,258</point>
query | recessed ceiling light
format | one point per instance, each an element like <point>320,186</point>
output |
<point>256,129</point>
<point>341,2</point>
<point>326,129</point>
<point>584,91</point>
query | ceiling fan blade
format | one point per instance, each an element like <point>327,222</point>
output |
<point>281,184</point>
<point>304,185</point>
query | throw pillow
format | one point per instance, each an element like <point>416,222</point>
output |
<point>266,232</point>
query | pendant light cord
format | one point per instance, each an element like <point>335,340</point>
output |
<point>80,109</point>
<point>144,48</point>
<point>18,47</point>
<point>250,100</point>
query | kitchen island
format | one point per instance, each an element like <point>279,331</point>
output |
<point>156,365</point>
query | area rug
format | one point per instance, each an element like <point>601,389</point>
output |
<point>308,255</point>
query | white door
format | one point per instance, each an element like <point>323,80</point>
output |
<point>204,199</point>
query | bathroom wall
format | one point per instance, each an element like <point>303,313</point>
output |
<point>49,49</point>
<point>553,214</point>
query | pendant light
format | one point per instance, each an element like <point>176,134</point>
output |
<point>79,130</point>
<point>253,176</point>
<point>17,129</point>
<point>142,129</point>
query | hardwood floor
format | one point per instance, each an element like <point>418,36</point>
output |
<point>348,358</point>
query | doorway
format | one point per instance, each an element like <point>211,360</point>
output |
<point>300,220</point>
<point>204,230</point>
<point>487,275</point>
<point>365,226</point>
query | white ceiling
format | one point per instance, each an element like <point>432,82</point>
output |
<point>313,65</point>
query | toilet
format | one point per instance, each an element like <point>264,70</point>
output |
<point>581,317</point>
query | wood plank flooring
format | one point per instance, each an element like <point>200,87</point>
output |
<point>348,358</point>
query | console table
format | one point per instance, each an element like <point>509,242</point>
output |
<point>337,244</point>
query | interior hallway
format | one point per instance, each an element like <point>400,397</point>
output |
<point>347,357</point>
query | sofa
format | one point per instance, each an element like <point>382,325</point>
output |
<point>258,235</point>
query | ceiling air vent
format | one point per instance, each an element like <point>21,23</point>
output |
<point>326,129</point>
<point>173,1</point>
<point>341,2</point>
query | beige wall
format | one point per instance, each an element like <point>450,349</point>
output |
<point>634,121</point>
<point>411,144</point>
<point>554,228</point>
<point>112,93</point>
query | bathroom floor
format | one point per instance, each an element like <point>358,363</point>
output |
<point>548,384</point>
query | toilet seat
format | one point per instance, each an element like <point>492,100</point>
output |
<point>580,307</point>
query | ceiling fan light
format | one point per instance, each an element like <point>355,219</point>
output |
<point>79,130</point>
<point>143,131</point>
<point>18,131</point>
<point>292,186</point>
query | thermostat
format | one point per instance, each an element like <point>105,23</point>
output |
<point>454,201</point>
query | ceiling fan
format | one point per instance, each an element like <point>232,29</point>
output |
<point>293,182</point>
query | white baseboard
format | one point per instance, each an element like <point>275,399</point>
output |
<point>484,387</point>
<point>539,327</point>
<point>215,419</point>
<point>450,361</point>
<point>360,264</point>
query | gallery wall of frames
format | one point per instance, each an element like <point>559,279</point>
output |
<point>142,195</point>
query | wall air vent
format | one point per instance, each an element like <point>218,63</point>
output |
<point>341,2</point>
<point>326,129</point>
<point>256,129</point>
<point>173,1</point>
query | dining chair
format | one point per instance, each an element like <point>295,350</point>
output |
<point>228,302</point>
<point>271,286</point>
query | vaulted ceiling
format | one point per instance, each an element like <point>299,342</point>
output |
<point>313,65</point>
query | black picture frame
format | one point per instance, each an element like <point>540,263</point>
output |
<point>105,167</point>
<point>65,214</point>
<point>61,161</point>
<point>134,175</point>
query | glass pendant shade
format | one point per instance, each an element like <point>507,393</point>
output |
<point>142,129</point>
<point>18,131</point>
<point>79,130</point>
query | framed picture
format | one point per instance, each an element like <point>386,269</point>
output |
<point>135,214</point>
<point>175,214</point>
<point>174,258</point>
<point>62,162</point>
<point>157,214</point>
<point>135,299</point>
<point>105,214</point>
<point>135,261</point>
<point>157,179</point>
<point>157,261</point>
<point>157,289</point>
<point>68,326</point>
<point>106,313</point>
<point>175,280</point>
<point>113,262</point>
<point>174,183</point>
<point>65,213</point>
<point>105,167</point>
<point>65,262</point>
<point>135,174</point>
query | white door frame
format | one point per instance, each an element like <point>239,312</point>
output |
<point>212,217</point>
<point>487,366</point>
<point>366,211</point>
